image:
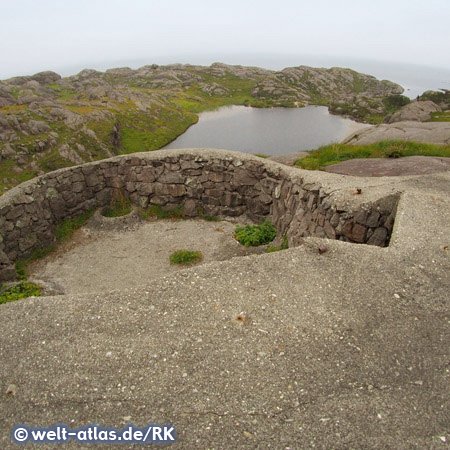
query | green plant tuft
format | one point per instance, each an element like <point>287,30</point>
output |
<point>209,218</point>
<point>158,212</point>
<point>284,245</point>
<point>118,209</point>
<point>19,291</point>
<point>185,257</point>
<point>69,226</point>
<point>254,235</point>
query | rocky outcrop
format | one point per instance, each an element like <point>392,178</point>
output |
<point>215,182</point>
<point>146,104</point>
<point>346,92</point>
<point>427,132</point>
<point>419,111</point>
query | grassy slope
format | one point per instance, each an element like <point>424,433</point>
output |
<point>335,153</point>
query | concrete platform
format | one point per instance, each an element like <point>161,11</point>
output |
<point>296,349</point>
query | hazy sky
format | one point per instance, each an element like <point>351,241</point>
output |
<point>67,35</point>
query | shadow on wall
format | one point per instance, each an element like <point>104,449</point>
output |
<point>221,185</point>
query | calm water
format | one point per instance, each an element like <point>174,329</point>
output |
<point>275,131</point>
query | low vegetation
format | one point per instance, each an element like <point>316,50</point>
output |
<point>19,291</point>
<point>335,153</point>
<point>254,235</point>
<point>158,212</point>
<point>118,209</point>
<point>209,218</point>
<point>185,257</point>
<point>284,245</point>
<point>65,230</point>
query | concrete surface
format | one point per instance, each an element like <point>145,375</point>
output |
<point>296,349</point>
<point>97,261</point>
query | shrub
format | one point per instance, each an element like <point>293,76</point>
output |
<point>185,257</point>
<point>396,101</point>
<point>19,291</point>
<point>254,235</point>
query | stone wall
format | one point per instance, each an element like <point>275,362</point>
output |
<point>216,183</point>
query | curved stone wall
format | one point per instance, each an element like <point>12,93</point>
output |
<point>212,181</point>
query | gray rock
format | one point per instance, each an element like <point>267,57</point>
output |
<point>38,126</point>
<point>415,111</point>
<point>429,132</point>
<point>47,77</point>
<point>67,153</point>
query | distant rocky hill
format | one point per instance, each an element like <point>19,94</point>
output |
<point>48,122</point>
<point>426,119</point>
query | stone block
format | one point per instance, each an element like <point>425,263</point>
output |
<point>28,242</point>
<point>379,237</point>
<point>171,178</point>
<point>373,219</point>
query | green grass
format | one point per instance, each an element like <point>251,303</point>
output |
<point>64,94</point>
<point>7,174</point>
<point>260,155</point>
<point>441,116</point>
<point>335,153</point>
<point>19,291</point>
<point>65,230</point>
<point>118,209</point>
<point>209,218</point>
<point>158,212</point>
<point>254,235</point>
<point>185,257</point>
<point>144,131</point>
<point>284,246</point>
<point>15,92</point>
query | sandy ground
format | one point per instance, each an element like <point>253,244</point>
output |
<point>99,261</point>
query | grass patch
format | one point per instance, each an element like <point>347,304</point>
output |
<point>441,116</point>
<point>9,178</point>
<point>118,209</point>
<point>209,218</point>
<point>158,212</point>
<point>254,235</point>
<point>260,155</point>
<point>64,231</point>
<point>284,246</point>
<point>19,291</point>
<point>335,153</point>
<point>143,131</point>
<point>185,257</point>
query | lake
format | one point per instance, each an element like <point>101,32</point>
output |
<point>268,131</point>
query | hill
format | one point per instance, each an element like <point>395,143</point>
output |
<point>48,122</point>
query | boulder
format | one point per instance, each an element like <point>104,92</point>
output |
<point>428,132</point>
<point>47,77</point>
<point>38,126</point>
<point>414,111</point>
<point>71,155</point>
